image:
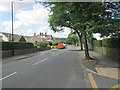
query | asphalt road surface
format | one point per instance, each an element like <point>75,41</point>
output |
<point>50,69</point>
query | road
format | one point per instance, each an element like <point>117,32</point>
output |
<point>50,69</point>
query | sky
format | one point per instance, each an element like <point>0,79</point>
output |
<point>29,18</point>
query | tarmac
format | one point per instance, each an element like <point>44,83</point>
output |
<point>102,65</point>
<point>19,57</point>
<point>99,63</point>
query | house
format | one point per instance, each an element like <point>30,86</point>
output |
<point>48,38</point>
<point>8,37</point>
<point>34,39</point>
<point>45,37</point>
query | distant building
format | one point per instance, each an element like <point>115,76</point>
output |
<point>8,37</point>
<point>60,39</point>
<point>34,39</point>
<point>45,37</point>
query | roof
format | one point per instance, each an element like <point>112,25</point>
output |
<point>16,36</point>
<point>33,39</point>
<point>48,37</point>
<point>42,34</point>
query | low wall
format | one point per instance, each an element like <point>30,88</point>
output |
<point>9,53</point>
<point>110,52</point>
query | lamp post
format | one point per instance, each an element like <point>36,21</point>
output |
<point>12,21</point>
<point>12,14</point>
<point>12,29</point>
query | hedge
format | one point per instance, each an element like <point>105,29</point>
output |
<point>97,43</point>
<point>109,42</point>
<point>42,44</point>
<point>16,45</point>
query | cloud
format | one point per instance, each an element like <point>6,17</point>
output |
<point>36,17</point>
<point>30,31</point>
<point>5,6</point>
<point>8,25</point>
<point>97,36</point>
<point>18,0</point>
<point>35,20</point>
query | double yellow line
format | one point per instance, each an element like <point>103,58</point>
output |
<point>114,87</point>
<point>94,85</point>
<point>92,81</point>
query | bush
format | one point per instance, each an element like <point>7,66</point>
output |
<point>16,45</point>
<point>55,42</point>
<point>36,45</point>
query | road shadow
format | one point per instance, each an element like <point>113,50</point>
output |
<point>74,50</point>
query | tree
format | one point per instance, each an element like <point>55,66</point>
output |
<point>109,25</point>
<point>60,19</point>
<point>83,17</point>
<point>56,42</point>
<point>72,39</point>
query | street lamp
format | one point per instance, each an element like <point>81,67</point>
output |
<point>12,21</point>
<point>13,26</point>
<point>12,29</point>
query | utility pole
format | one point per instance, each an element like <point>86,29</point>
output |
<point>12,29</point>
<point>12,15</point>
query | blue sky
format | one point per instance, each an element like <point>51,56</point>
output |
<point>29,18</point>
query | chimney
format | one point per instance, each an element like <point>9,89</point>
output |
<point>34,34</point>
<point>45,34</point>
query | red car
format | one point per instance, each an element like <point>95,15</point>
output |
<point>61,46</point>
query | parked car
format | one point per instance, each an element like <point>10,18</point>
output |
<point>61,46</point>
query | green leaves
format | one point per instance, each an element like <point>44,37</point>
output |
<point>72,38</point>
<point>101,18</point>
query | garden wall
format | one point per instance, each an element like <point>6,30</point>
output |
<point>19,48</point>
<point>9,53</point>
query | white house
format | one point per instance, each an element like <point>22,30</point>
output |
<point>3,37</point>
<point>8,37</point>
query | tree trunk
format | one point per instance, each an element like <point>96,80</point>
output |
<point>81,42</point>
<point>80,38</point>
<point>87,56</point>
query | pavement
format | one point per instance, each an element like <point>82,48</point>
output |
<point>102,65</point>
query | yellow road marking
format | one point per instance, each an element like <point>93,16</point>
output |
<point>114,87</point>
<point>92,81</point>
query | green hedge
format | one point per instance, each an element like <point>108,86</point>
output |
<point>97,43</point>
<point>109,42</point>
<point>42,44</point>
<point>16,45</point>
